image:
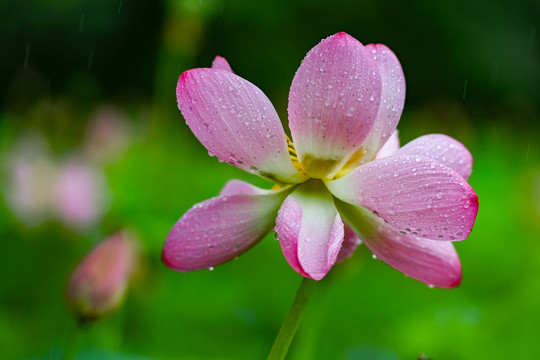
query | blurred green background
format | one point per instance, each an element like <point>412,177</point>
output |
<point>472,72</point>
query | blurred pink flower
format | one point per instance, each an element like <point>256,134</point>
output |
<point>345,167</point>
<point>30,175</point>
<point>108,134</point>
<point>38,188</point>
<point>99,282</point>
<point>79,194</point>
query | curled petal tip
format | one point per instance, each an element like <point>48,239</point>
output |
<point>221,63</point>
<point>310,230</point>
<point>341,36</point>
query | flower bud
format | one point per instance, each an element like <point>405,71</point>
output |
<point>99,283</point>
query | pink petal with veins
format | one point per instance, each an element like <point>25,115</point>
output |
<point>414,194</point>
<point>287,228</point>
<point>435,263</point>
<point>444,149</point>
<point>219,229</point>
<point>333,103</point>
<point>310,230</point>
<point>236,122</point>
<point>392,99</point>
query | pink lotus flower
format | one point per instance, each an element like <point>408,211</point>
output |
<point>99,283</point>
<point>345,176</point>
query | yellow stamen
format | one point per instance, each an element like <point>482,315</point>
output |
<point>352,163</point>
<point>294,155</point>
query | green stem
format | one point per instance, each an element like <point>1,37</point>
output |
<point>291,322</point>
<point>71,348</point>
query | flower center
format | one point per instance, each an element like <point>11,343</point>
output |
<point>324,168</point>
<point>319,168</point>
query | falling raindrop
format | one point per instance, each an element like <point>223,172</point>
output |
<point>26,55</point>
<point>532,37</point>
<point>90,59</point>
<point>81,23</point>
